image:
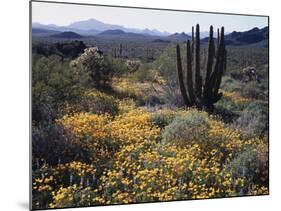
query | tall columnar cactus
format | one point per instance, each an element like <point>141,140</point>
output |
<point>180,77</point>
<point>195,93</point>
<point>120,50</point>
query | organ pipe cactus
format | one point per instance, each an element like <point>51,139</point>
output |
<point>193,90</point>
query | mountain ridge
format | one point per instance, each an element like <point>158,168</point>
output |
<point>67,35</point>
<point>93,26</point>
<point>82,29</point>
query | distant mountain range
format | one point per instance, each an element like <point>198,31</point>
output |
<point>113,33</point>
<point>252,36</point>
<point>68,35</point>
<point>95,28</point>
<point>179,37</point>
<point>43,32</point>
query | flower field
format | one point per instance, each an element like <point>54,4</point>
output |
<point>133,161</point>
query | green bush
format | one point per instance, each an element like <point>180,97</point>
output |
<point>231,85</point>
<point>98,102</point>
<point>255,90</point>
<point>143,74</point>
<point>166,64</point>
<point>118,66</point>
<point>264,72</point>
<point>52,143</point>
<point>171,94</point>
<point>231,105</point>
<point>162,119</point>
<point>252,165</point>
<point>225,115</point>
<point>53,83</point>
<point>62,49</point>
<point>193,126</point>
<point>253,120</point>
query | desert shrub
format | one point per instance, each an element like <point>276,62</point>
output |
<point>255,90</point>
<point>237,74</point>
<point>251,164</point>
<point>163,118</point>
<point>125,105</point>
<point>97,102</point>
<point>229,105</point>
<point>93,63</point>
<point>231,85</point>
<point>153,100</point>
<point>71,49</point>
<point>264,72</point>
<point>53,83</point>
<point>172,94</point>
<point>253,120</point>
<point>52,143</point>
<point>63,50</point>
<point>117,65</point>
<point>232,102</point>
<point>225,115</point>
<point>142,93</point>
<point>124,88</point>
<point>240,57</point>
<point>166,64</point>
<point>91,134</point>
<point>193,126</point>
<point>143,74</point>
<point>246,74</point>
<point>44,49</point>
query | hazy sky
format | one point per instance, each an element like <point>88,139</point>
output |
<point>171,21</point>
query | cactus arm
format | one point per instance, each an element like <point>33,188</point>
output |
<point>198,78</point>
<point>120,50</point>
<point>221,63</point>
<point>218,38</point>
<point>210,60</point>
<point>192,39</point>
<point>180,77</point>
<point>189,80</point>
<point>215,73</point>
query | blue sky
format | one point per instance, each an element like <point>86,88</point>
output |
<point>170,21</point>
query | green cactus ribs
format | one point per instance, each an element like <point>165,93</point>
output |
<point>195,93</point>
